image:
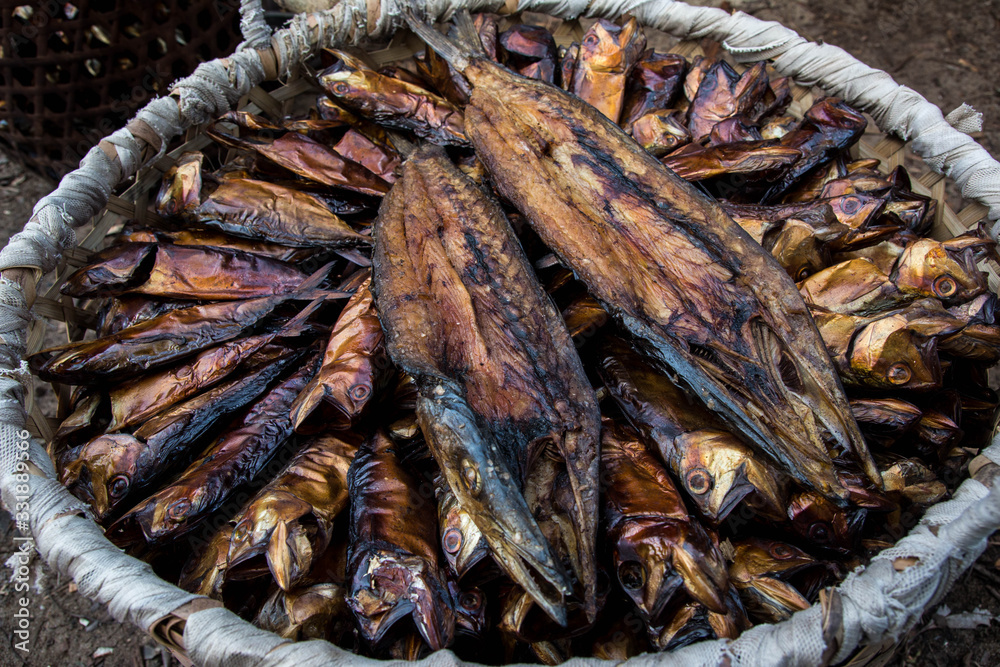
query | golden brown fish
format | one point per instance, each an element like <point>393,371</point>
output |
<point>762,571</point>
<point>168,271</point>
<point>660,132</point>
<point>505,380</point>
<point>355,367</point>
<point>715,468</point>
<point>530,51</point>
<point>181,188</point>
<point>309,159</point>
<point>290,520</point>
<point>608,53</point>
<point>657,548</point>
<point>653,84</point>
<point>392,103</point>
<point>696,301</point>
<point>742,157</point>
<point>273,213</point>
<point>235,458</point>
<point>723,93</point>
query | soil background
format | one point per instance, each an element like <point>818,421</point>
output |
<point>945,49</point>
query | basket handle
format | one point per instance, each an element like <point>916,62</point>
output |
<point>878,603</point>
<point>256,32</point>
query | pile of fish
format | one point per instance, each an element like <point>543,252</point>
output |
<point>530,352</point>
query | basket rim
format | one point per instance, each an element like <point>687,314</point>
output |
<point>181,620</point>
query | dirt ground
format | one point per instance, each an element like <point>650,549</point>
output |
<point>945,49</point>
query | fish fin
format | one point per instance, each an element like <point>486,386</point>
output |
<point>444,47</point>
<point>297,325</point>
<point>315,279</point>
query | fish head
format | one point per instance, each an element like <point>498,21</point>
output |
<point>168,513</point>
<point>351,86</point>
<point>824,524</point>
<point>912,480</point>
<point>388,586</point>
<point>660,132</point>
<point>792,387</point>
<point>470,609</point>
<point>273,525</point>
<point>181,189</point>
<point>483,480</point>
<point>205,573</point>
<point>608,47</point>
<point>888,354</point>
<point>758,557</point>
<point>111,462</point>
<point>798,249</point>
<point>856,210</point>
<point>657,558</point>
<point>712,467</point>
<point>681,625</point>
<point>928,268</point>
<point>461,540</point>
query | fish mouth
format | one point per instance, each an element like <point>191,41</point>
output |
<point>729,492</point>
<point>389,586</point>
<point>284,530</point>
<point>657,558</point>
<point>478,474</point>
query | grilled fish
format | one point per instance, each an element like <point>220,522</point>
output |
<point>697,300</point>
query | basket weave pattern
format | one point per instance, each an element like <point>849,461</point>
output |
<point>72,73</point>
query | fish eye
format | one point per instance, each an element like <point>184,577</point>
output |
<point>177,510</point>
<point>899,373</point>
<point>118,485</point>
<point>452,540</point>
<point>699,481</point>
<point>471,477</point>
<point>780,551</point>
<point>802,274</point>
<point>851,205</point>
<point>590,39</point>
<point>471,601</point>
<point>242,531</point>
<point>360,392</point>
<point>632,574</point>
<point>341,88</point>
<point>945,286</point>
<point>819,532</point>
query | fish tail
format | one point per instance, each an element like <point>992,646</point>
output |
<point>453,53</point>
<point>297,325</point>
<point>315,279</point>
<point>468,36</point>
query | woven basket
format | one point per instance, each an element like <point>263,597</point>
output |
<point>858,622</point>
<point>72,73</point>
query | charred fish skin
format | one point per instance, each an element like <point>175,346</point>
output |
<point>119,465</point>
<point>235,458</point>
<point>393,569</point>
<point>506,372</point>
<point>706,300</point>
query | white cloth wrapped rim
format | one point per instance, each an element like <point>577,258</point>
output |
<point>871,609</point>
